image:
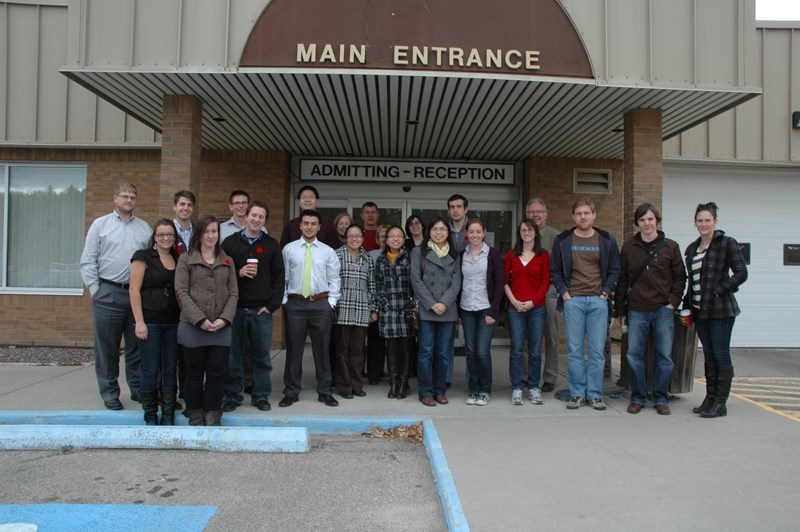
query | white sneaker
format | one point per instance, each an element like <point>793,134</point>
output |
<point>483,399</point>
<point>472,398</point>
<point>535,395</point>
<point>516,397</point>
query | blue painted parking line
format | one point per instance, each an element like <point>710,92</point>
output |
<point>117,517</point>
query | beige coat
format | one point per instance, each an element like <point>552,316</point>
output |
<point>206,291</point>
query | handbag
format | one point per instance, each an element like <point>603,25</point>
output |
<point>411,313</point>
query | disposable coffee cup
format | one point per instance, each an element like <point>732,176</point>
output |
<point>686,317</point>
<point>253,263</point>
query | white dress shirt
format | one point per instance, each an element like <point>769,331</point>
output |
<point>324,269</point>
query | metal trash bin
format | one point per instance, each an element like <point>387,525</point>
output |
<point>684,358</point>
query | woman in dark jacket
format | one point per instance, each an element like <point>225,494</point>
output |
<point>205,281</point>
<point>393,290</point>
<point>481,293</point>
<point>716,268</point>
<point>155,310</point>
<point>436,280</point>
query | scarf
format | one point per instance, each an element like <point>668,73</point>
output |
<point>440,251</point>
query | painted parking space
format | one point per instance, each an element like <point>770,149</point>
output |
<point>779,395</point>
<point>117,517</point>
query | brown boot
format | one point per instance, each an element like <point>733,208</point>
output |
<point>213,418</point>
<point>196,417</point>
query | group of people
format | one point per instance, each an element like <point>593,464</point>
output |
<point>195,301</point>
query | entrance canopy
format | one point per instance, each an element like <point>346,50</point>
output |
<point>448,79</point>
<point>408,115</point>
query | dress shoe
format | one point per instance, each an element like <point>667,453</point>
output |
<point>346,395</point>
<point>327,399</point>
<point>548,387</point>
<point>114,404</point>
<point>229,406</point>
<point>663,410</point>
<point>441,399</point>
<point>634,408</point>
<point>262,404</point>
<point>427,401</point>
<point>287,401</point>
<point>359,393</point>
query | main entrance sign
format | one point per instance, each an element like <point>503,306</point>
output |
<point>531,37</point>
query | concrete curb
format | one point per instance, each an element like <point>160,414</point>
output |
<point>127,427</point>
<point>223,439</point>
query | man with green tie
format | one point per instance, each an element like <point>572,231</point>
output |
<point>312,290</point>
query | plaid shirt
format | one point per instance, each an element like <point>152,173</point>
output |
<point>393,290</point>
<point>358,289</point>
<point>716,284</point>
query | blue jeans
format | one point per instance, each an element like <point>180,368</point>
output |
<point>526,325</point>
<point>478,349</point>
<point>250,327</point>
<point>159,354</point>
<point>715,335</point>
<point>586,317</point>
<point>434,343</point>
<point>661,324</point>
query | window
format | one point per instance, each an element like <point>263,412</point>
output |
<point>791,254</point>
<point>42,212</point>
<point>591,181</point>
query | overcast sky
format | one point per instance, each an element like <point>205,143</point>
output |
<point>777,9</point>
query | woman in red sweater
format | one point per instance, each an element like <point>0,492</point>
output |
<point>527,277</point>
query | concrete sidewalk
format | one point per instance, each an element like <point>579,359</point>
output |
<point>532,467</point>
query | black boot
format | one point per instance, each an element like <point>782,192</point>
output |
<point>718,407</point>
<point>711,387</point>
<point>149,402</point>
<point>213,418</point>
<point>196,417</point>
<point>403,369</point>
<point>392,356</point>
<point>168,406</point>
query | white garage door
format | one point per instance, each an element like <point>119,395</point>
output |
<point>757,206</point>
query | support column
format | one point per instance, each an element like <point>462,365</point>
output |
<point>643,163</point>
<point>180,148</point>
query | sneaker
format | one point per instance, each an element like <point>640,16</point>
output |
<point>598,404</point>
<point>576,402</point>
<point>472,398</point>
<point>535,395</point>
<point>516,397</point>
<point>483,399</point>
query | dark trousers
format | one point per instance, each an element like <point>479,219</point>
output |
<point>207,365</point>
<point>112,319</point>
<point>349,340</point>
<point>315,319</point>
<point>376,352</point>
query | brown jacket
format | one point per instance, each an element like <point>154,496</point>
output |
<point>206,291</point>
<point>661,284</point>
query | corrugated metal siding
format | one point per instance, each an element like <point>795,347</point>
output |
<point>38,104</point>
<point>760,129</point>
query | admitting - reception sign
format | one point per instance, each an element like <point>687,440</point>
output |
<point>391,171</point>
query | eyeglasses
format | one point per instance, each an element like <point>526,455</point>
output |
<point>414,223</point>
<point>239,203</point>
<point>540,211</point>
<point>165,235</point>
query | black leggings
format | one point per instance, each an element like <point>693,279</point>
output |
<point>209,364</point>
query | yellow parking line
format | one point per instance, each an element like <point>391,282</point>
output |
<point>763,406</point>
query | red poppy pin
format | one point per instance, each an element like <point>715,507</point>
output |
<point>259,250</point>
<point>228,262</point>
